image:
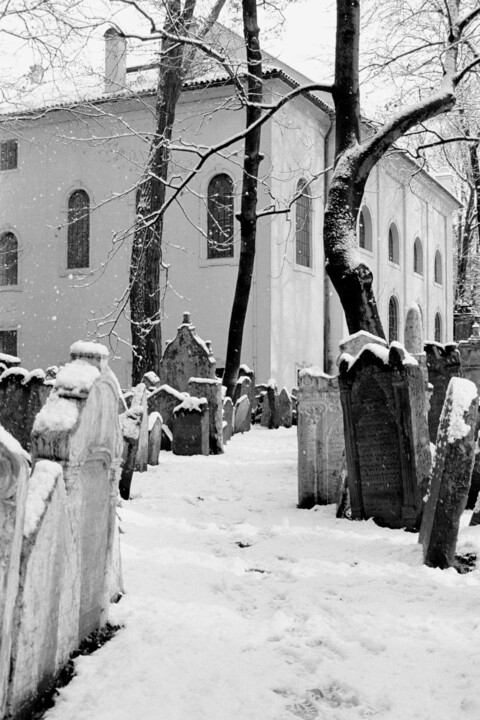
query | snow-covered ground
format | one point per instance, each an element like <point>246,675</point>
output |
<point>239,606</point>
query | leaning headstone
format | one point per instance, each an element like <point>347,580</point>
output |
<point>452,470</point>
<point>22,395</point>
<point>154,437</point>
<point>386,434</point>
<point>130,422</point>
<point>191,427</point>
<point>269,414</point>
<point>227,419</point>
<point>163,400</point>
<point>211,389</point>
<point>320,438</point>
<point>14,472</point>
<point>443,363</point>
<point>241,422</point>
<point>186,356</point>
<point>139,401</point>
<point>283,409</point>
<point>243,386</point>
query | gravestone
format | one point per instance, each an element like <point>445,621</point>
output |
<point>443,363</point>
<point>211,390</point>
<point>386,434</point>
<point>448,491</point>
<point>414,330</point>
<point>245,371</point>
<point>242,414</point>
<point>163,400</point>
<point>14,472</point>
<point>269,417</point>
<point>243,386</point>
<point>139,402</point>
<point>154,437</point>
<point>227,419</point>
<point>130,422</point>
<point>283,409</point>
<point>469,351</point>
<point>354,343</point>
<point>186,356</point>
<point>191,427</point>
<point>320,438</point>
<point>151,380</point>
<point>22,395</point>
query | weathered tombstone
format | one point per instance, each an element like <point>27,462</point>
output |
<point>130,423</point>
<point>14,471</point>
<point>283,409</point>
<point>163,400</point>
<point>243,386</point>
<point>454,457</point>
<point>154,437</point>
<point>151,380</point>
<point>211,389</point>
<point>269,415</point>
<point>139,401</point>
<point>22,395</point>
<point>245,371</point>
<point>242,414</point>
<point>386,434</point>
<point>462,324</point>
<point>227,419</point>
<point>320,438</point>
<point>443,363</point>
<point>186,356</point>
<point>414,330</point>
<point>191,427</point>
<point>470,356</point>
<point>354,343</point>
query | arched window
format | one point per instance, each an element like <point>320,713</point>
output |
<point>78,235</point>
<point>393,245</point>
<point>303,226</point>
<point>438,327</point>
<point>220,217</point>
<point>437,274</point>
<point>418,256</point>
<point>365,229</point>
<point>8,259</point>
<point>392,319</point>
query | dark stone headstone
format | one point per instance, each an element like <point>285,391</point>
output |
<point>269,415</point>
<point>186,356</point>
<point>211,389</point>
<point>191,427</point>
<point>163,400</point>
<point>283,409</point>
<point>130,423</point>
<point>454,456</point>
<point>386,434</point>
<point>443,363</point>
<point>22,395</point>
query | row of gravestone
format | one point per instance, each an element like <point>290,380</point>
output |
<point>59,552</point>
<point>370,425</point>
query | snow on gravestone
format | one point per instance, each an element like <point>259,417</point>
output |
<point>452,470</point>
<point>211,390</point>
<point>245,371</point>
<point>131,423</point>
<point>14,471</point>
<point>227,419</point>
<point>163,400</point>
<point>79,426</point>
<point>386,434</point>
<point>185,357</point>
<point>443,363</point>
<point>22,395</point>
<point>191,427</point>
<point>320,438</point>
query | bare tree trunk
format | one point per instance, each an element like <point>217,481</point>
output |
<point>248,214</point>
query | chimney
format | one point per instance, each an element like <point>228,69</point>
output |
<point>115,61</point>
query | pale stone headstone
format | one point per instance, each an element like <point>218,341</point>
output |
<point>211,389</point>
<point>14,472</point>
<point>452,470</point>
<point>386,434</point>
<point>186,356</point>
<point>245,371</point>
<point>191,427</point>
<point>283,409</point>
<point>139,400</point>
<point>443,363</point>
<point>154,437</point>
<point>241,422</point>
<point>414,330</point>
<point>227,419</point>
<point>320,438</point>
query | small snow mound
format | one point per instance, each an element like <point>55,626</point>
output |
<point>191,404</point>
<point>85,348</point>
<point>58,414</point>
<point>14,372</point>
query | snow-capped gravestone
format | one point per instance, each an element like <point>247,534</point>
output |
<point>242,414</point>
<point>163,400</point>
<point>191,427</point>
<point>185,357</point>
<point>211,390</point>
<point>22,395</point>
<point>386,434</point>
<point>243,386</point>
<point>227,419</point>
<point>69,532</point>
<point>139,401</point>
<point>154,437</point>
<point>14,472</point>
<point>269,417</point>
<point>443,363</point>
<point>245,371</point>
<point>320,438</point>
<point>452,470</point>
<point>469,351</point>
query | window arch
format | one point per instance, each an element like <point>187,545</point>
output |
<point>220,213</point>
<point>393,244</point>
<point>78,235</point>
<point>437,271</point>
<point>392,319</point>
<point>438,327</point>
<point>303,225</point>
<point>418,256</point>
<point>365,229</point>
<point>8,259</point>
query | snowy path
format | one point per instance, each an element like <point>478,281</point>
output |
<point>312,618</point>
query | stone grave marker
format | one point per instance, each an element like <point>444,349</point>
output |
<point>130,422</point>
<point>243,386</point>
<point>185,357</point>
<point>154,437</point>
<point>386,434</point>
<point>22,395</point>
<point>163,400</point>
<point>320,438</point>
<point>448,491</point>
<point>241,422</point>
<point>139,402</point>
<point>191,427</point>
<point>245,371</point>
<point>269,417</point>
<point>211,389</point>
<point>354,343</point>
<point>443,363</point>
<point>151,380</point>
<point>283,409</point>
<point>227,419</point>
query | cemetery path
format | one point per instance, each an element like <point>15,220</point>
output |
<point>239,606</point>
